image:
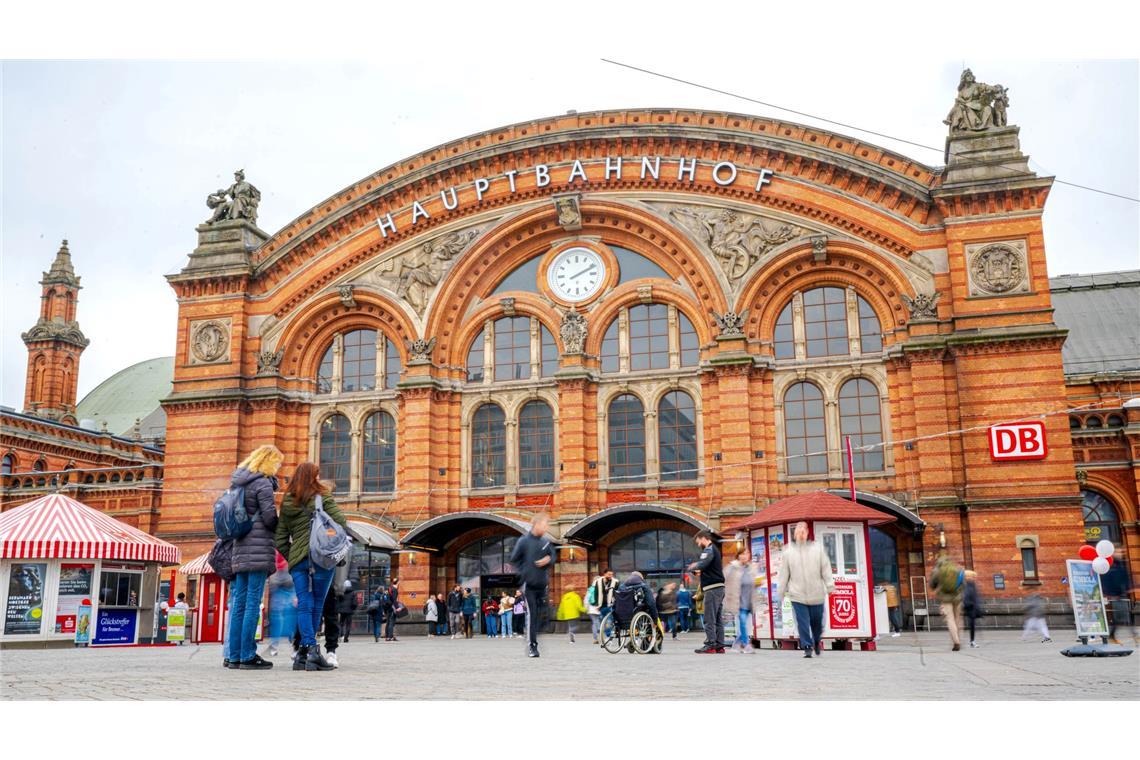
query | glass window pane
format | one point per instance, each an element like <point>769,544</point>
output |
<point>626,423</point>
<point>488,447</point>
<point>549,353</point>
<point>870,332</point>
<point>336,451</point>
<point>512,348</point>
<point>690,346</point>
<point>804,430</point>
<point>825,322</point>
<point>677,428</point>
<point>359,373</point>
<point>536,444</point>
<point>859,418</point>
<point>830,548</point>
<point>649,336</point>
<point>849,557</point>
<point>325,372</point>
<point>392,365</point>
<point>379,453</point>
<point>783,338</point>
<point>475,360</point>
<point>610,361</point>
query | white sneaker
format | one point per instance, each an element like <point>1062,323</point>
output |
<point>272,651</point>
<point>973,645</point>
<point>330,658</point>
<point>571,638</point>
<point>895,635</point>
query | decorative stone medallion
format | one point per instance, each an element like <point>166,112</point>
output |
<point>210,341</point>
<point>573,332</point>
<point>997,269</point>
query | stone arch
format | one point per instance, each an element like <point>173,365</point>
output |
<point>1126,508</point>
<point>519,238</point>
<point>628,295</point>
<point>526,305</point>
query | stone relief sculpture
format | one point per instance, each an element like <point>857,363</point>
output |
<point>978,106</point>
<point>996,268</point>
<point>419,350</point>
<point>569,214</point>
<point>414,275</point>
<point>347,296</point>
<point>209,340</point>
<point>730,323</point>
<point>737,240</point>
<point>269,362</point>
<point>573,332</point>
<point>243,199</point>
<point>922,306</point>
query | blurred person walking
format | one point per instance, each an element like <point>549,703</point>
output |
<point>345,608</point>
<point>971,604</point>
<point>667,607</point>
<point>570,609</point>
<point>1035,619</point>
<point>805,577</point>
<point>532,557</point>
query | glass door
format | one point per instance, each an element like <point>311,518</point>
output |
<point>848,612</point>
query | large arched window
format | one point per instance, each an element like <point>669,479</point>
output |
<point>626,421</point>
<point>804,436</point>
<point>821,328</point>
<point>825,322</point>
<point>379,454</point>
<point>353,359</point>
<point>8,465</point>
<point>488,447</point>
<point>515,354</point>
<point>677,436</point>
<point>611,352</point>
<point>536,444</point>
<point>783,339</point>
<point>666,552</point>
<point>859,418</point>
<point>650,332</point>
<point>359,372</point>
<point>336,451</point>
<point>475,359</point>
<point>1101,519</point>
<point>40,465</point>
<point>512,348</point>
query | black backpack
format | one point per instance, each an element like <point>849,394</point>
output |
<point>221,558</point>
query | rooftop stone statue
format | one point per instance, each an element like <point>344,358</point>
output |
<point>242,202</point>
<point>978,107</point>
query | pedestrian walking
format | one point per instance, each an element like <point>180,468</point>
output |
<point>1035,619</point>
<point>708,564</point>
<point>947,579</point>
<point>253,556</point>
<point>441,621</point>
<point>684,607</point>
<point>570,609</point>
<point>971,604</point>
<point>282,606</point>
<point>747,593</point>
<point>594,611</point>
<point>1117,586</point>
<point>455,610</point>
<point>667,607</point>
<point>805,577</point>
<point>490,612</point>
<point>604,587</point>
<point>532,557</point>
<point>732,575</point>
<point>310,581</point>
<point>518,614</point>
<point>376,612</point>
<point>506,615</point>
<point>894,610</point>
<point>345,608</point>
<point>470,607</point>
<point>431,615</point>
<point>391,604</point>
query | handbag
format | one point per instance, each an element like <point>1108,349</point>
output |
<point>400,610</point>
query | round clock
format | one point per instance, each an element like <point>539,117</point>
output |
<point>576,274</point>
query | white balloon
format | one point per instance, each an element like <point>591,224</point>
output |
<point>1100,565</point>
<point>1104,548</point>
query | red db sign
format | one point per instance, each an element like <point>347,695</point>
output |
<point>1018,441</point>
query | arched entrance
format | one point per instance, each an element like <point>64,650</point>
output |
<point>1101,519</point>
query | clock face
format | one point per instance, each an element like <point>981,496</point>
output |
<point>576,274</point>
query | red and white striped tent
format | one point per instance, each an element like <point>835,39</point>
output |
<point>57,526</point>
<point>200,565</point>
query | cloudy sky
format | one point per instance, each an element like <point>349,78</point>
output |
<point>118,157</point>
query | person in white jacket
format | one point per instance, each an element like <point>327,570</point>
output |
<point>431,615</point>
<point>806,579</point>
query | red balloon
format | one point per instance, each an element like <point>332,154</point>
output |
<point>1087,553</point>
<point>1109,558</point>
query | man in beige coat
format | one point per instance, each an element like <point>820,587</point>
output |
<point>805,577</point>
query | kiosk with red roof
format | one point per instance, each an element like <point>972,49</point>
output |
<point>842,527</point>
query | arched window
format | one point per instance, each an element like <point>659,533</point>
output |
<point>611,351</point>
<point>512,348</point>
<point>392,365</point>
<point>626,420</point>
<point>336,451</point>
<point>859,418</point>
<point>40,465</point>
<point>1094,423</point>
<point>353,358</point>
<point>536,444</point>
<point>1114,421</point>
<point>662,552</point>
<point>649,337</point>
<point>325,371</point>
<point>8,464</point>
<point>1074,422</point>
<point>690,346</point>
<point>379,454</point>
<point>475,360</point>
<point>1101,519</point>
<point>549,349</point>
<point>1028,559</point>
<point>870,332</point>
<point>359,373</point>
<point>115,477</point>
<point>783,338</point>
<point>488,447</point>
<point>804,430</point>
<point>825,322</point>
<point>677,436</point>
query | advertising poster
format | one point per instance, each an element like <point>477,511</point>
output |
<point>843,609</point>
<point>783,619</point>
<point>760,605</point>
<point>83,624</point>
<point>1087,599</point>
<point>175,624</point>
<point>116,626</point>
<point>74,590</point>
<point>25,612</point>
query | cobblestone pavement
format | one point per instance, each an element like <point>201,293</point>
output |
<point>909,667</point>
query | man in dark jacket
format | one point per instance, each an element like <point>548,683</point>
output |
<point>470,607</point>
<point>254,559</point>
<point>345,606</point>
<point>391,597</point>
<point>712,586</point>
<point>455,610</point>
<point>532,558</point>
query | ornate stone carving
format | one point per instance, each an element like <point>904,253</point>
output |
<point>645,293</point>
<point>419,350</point>
<point>573,332</point>
<point>737,240</point>
<point>997,268</point>
<point>415,274</point>
<point>978,106</point>
<point>1082,478</point>
<point>46,329</point>
<point>508,305</point>
<point>730,323</point>
<point>269,362</point>
<point>346,295</point>
<point>242,203</point>
<point>819,248</point>
<point>922,307</point>
<point>569,214</point>
<point>209,341</point>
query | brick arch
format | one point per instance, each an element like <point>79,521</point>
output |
<point>877,281</point>
<point>307,337</point>
<point>526,305</point>
<point>1126,509</point>
<point>627,295</point>
<point>522,237</point>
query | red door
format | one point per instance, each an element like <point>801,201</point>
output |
<point>211,609</point>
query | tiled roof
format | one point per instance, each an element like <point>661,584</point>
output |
<point>815,505</point>
<point>1102,314</point>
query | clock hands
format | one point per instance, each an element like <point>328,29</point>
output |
<point>587,269</point>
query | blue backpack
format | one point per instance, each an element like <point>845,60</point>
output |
<point>231,520</point>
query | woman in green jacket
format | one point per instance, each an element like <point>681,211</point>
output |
<point>292,539</point>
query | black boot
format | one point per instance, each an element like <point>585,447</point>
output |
<point>300,658</point>
<point>316,660</point>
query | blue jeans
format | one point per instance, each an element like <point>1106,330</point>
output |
<point>683,614</point>
<point>507,623</point>
<point>491,623</point>
<point>247,589</point>
<point>377,621</point>
<point>743,629</point>
<point>809,623</point>
<point>311,593</point>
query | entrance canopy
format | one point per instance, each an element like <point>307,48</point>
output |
<point>197,566</point>
<point>372,536</point>
<point>591,529</point>
<point>57,526</point>
<point>816,505</point>
<point>437,532</point>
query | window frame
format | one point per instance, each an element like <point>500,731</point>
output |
<point>381,459</point>
<point>629,424</point>
<point>536,450</point>
<point>859,437</point>
<point>814,460</point>
<point>501,436</point>
<point>326,473</point>
<point>676,472</point>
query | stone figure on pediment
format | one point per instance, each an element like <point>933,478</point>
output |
<point>978,106</point>
<point>737,240</point>
<point>239,201</point>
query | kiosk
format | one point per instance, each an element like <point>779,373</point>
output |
<point>842,527</point>
<point>206,594</point>
<point>70,574</point>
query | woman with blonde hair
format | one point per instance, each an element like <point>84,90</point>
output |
<point>253,555</point>
<point>311,582</point>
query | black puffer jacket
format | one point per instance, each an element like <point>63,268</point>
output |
<point>254,551</point>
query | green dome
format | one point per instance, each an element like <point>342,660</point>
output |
<point>131,394</point>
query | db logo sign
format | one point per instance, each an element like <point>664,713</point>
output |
<point>1018,441</point>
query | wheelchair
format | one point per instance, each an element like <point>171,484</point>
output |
<point>629,625</point>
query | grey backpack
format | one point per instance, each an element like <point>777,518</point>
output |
<point>329,544</point>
